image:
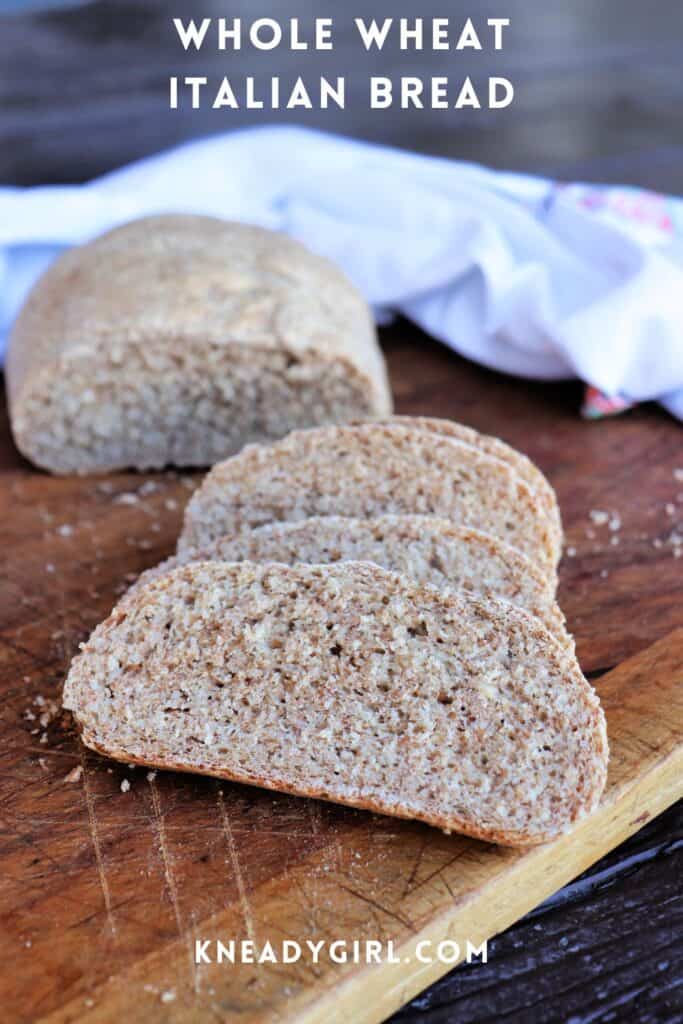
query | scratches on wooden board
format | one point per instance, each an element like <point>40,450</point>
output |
<point>410,880</point>
<point>313,810</point>
<point>169,875</point>
<point>95,837</point>
<point>236,866</point>
<point>377,906</point>
<point>166,862</point>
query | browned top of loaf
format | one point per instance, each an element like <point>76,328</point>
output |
<point>367,470</point>
<point>349,683</point>
<point>424,548</point>
<point>521,463</point>
<point>175,279</point>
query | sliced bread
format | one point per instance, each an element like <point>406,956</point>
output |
<point>424,548</point>
<point>521,463</point>
<point>367,470</point>
<point>352,684</point>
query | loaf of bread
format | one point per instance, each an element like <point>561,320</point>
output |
<point>366,470</point>
<point>352,684</point>
<point>424,548</point>
<point>521,464</point>
<point>178,339</point>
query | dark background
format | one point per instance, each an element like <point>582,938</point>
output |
<point>599,89</point>
<point>599,95</point>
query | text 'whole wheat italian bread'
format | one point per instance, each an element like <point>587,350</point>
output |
<point>367,470</point>
<point>178,339</point>
<point>426,549</point>
<point>352,684</point>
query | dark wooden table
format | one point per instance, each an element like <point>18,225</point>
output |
<point>599,96</point>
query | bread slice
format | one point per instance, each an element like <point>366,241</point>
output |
<point>521,464</point>
<point>349,683</point>
<point>424,548</point>
<point>368,470</point>
<point>178,339</point>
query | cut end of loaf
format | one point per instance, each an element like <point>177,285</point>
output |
<point>178,339</point>
<point>148,406</point>
<point>348,683</point>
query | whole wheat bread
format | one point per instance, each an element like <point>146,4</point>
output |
<point>521,464</point>
<point>349,683</point>
<point>178,339</point>
<point>366,470</point>
<point>424,548</point>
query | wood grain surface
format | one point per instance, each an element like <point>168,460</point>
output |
<point>103,892</point>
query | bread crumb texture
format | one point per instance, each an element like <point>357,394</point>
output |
<point>520,463</point>
<point>349,683</point>
<point>367,470</point>
<point>178,339</point>
<point>426,549</point>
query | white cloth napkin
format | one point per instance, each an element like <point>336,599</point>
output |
<point>518,273</point>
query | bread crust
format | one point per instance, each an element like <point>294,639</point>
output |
<point>500,837</point>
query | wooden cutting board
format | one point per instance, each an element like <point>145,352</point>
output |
<point>104,892</point>
<point>368,878</point>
